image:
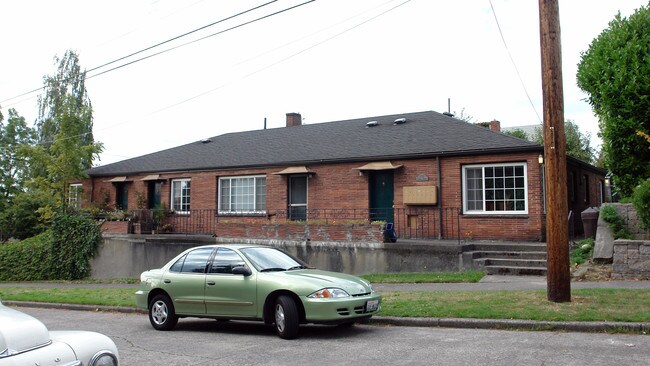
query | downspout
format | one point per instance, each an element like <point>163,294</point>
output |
<point>439,199</point>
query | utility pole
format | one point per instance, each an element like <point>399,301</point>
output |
<point>557,222</point>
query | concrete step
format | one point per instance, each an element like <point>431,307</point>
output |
<point>506,247</point>
<point>501,262</point>
<point>506,254</point>
<point>520,271</point>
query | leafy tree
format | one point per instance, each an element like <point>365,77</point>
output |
<point>66,146</point>
<point>517,132</point>
<point>615,73</point>
<point>578,144</point>
<point>26,216</point>
<point>13,166</point>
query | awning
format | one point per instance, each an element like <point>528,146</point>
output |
<point>118,180</point>
<point>152,177</point>
<point>379,165</point>
<point>294,170</point>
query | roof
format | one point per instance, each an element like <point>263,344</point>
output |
<point>423,134</point>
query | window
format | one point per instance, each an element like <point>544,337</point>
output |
<point>74,196</point>
<point>225,261</point>
<point>180,195</point>
<point>496,188</point>
<point>195,261</point>
<point>242,195</point>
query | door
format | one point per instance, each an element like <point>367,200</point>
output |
<point>298,198</point>
<point>228,294</point>
<point>185,282</point>
<point>154,192</point>
<point>121,196</point>
<point>381,195</point>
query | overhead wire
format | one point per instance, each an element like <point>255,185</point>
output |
<point>154,46</point>
<point>505,44</point>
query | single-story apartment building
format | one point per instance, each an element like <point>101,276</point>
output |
<point>430,175</point>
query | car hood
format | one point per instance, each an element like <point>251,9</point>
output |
<point>20,332</point>
<point>323,279</point>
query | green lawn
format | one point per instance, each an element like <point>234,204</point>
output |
<point>624,305</point>
<point>444,277</point>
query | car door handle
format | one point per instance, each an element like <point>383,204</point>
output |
<point>167,281</point>
<point>211,283</point>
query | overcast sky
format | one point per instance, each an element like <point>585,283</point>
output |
<point>328,60</point>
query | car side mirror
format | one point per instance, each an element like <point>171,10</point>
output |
<point>242,270</point>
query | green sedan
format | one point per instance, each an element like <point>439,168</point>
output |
<point>252,282</point>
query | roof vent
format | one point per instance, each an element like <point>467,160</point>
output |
<point>372,124</point>
<point>399,121</point>
<point>448,114</point>
<point>206,141</point>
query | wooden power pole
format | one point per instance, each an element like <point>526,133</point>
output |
<point>557,222</point>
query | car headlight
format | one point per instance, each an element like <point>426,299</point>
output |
<point>329,293</point>
<point>103,358</point>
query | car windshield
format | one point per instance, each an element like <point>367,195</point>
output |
<point>271,259</point>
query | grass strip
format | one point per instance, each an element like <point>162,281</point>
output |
<point>445,277</point>
<point>620,305</point>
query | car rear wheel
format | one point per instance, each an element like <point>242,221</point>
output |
<point>161,313</point>
<point>286,317</point>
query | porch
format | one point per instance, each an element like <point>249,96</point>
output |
<point>307,224</point>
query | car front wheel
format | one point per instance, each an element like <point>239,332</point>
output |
<point>286,317</point>
<point>161,313</point>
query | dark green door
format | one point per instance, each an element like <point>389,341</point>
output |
<point>381,195</point>
<point>122,196</point>
<point>154,193</point>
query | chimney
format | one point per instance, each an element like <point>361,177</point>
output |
<point>294,119</point>
<point>495,126</point>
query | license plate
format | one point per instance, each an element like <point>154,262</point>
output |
<point>372,305</point>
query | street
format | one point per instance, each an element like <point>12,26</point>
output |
<point>208,342</point>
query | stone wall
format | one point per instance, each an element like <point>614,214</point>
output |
<point>631,220</point>
<point>631,259</point>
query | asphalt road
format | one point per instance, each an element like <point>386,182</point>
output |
<point>207,342</point>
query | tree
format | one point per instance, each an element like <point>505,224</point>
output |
<point>578,144</point>
<point>615,73</point>
<point>65,146</point>
<point>517,132</point>
<point>13,166</point>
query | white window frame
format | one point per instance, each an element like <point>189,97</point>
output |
<point>74,195</point>
<point>184,199</point>
<point>230,210</point>
<point>483,211</point>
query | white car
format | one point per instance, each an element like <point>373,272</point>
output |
<point>24,340</point>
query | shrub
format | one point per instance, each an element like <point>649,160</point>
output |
<point>74,241</point>
<point>583,251</point>
<point>26,260</point>
<point>615,222</point>
<point>641,202</point>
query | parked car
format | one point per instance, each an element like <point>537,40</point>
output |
<point>253,282</point>
<point>24,340</point>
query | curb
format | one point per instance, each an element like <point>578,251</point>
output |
<point>463,323</point>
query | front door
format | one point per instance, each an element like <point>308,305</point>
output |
<point>381,195</point>
<point>154,193</point>
<point>228,294</point>
<point>298,198</point>
<point>121,196</point>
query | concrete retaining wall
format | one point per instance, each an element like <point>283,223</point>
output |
<point>631,258</point>
<point>126,256</point>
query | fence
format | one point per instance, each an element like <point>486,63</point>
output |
<point>409,223</point>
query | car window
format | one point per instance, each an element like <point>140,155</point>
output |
<point>225,260</point>
<point>196,261</point>
<point>178,265</point>
<point>267,259</point>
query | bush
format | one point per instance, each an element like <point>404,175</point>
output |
<point>582,252</point>
<point>641,202</point>
<point>25,217</point>
<point>615,222</point>
<point>26,260</point>
<point>74,242</point>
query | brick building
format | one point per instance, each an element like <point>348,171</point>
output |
<point>433,176</point>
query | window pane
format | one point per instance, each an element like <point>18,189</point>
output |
<point>197,260</point>
<point>504,188</point>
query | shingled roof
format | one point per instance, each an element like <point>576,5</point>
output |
<point>423,134</point>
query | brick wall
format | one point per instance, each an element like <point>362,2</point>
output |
<point>303,232</point>
<point>340,186</point>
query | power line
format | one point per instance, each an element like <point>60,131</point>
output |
<point>513,63</point>
<point>153,46</point>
